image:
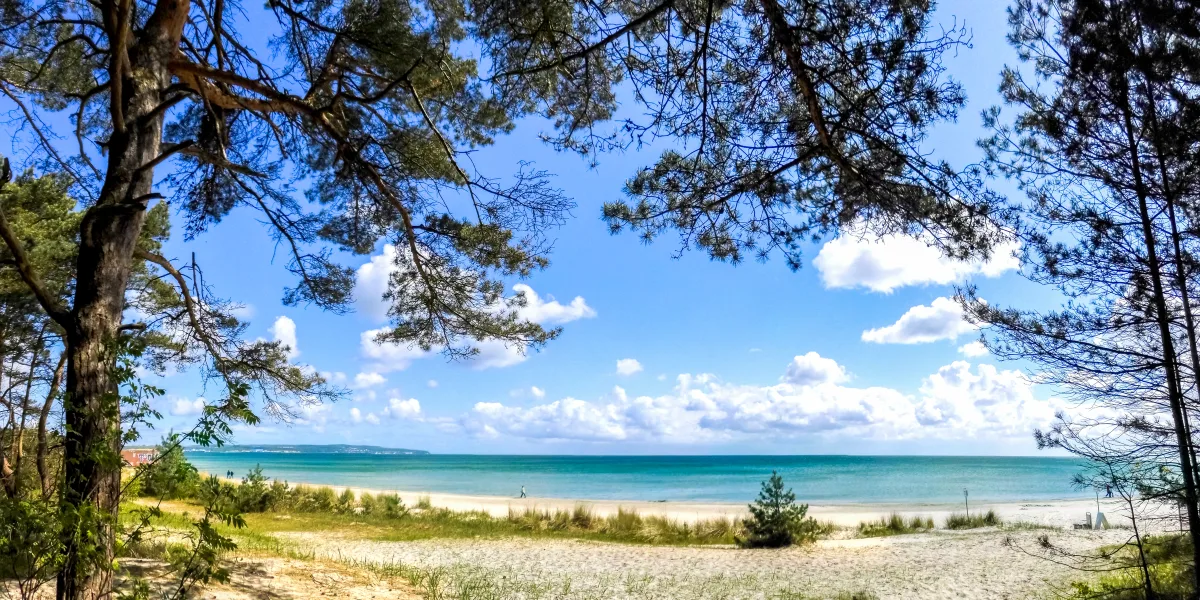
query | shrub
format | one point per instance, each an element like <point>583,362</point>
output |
<point>424,503</point>
<point>390,505</point>
<point>975,521</point>
<point>346,502</point>
<point>31,550</point>
<point>253,495</point>
<point>170,475</point>
<point>894,524</point>
<point>776,520</point>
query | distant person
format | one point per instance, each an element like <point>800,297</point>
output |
<point>1108,491</point>
<point>523,492</point>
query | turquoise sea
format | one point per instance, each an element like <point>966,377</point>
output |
<point>815,479</point>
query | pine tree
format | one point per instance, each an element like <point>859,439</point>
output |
<point>775,518</point>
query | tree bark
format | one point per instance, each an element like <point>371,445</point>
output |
<point>43,443</point>
<point>108,236</point>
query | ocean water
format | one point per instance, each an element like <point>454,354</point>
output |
<point>815,479</point>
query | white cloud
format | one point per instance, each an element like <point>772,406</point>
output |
<point>628,366</point>
<point>403,409</point>
<point>284,331</point>
<point>387,357</point>
<point>242,312</point>
<point>551,311</point>
<point>356,415</point>
<point>372,419</point>
<point>941,320</point>
<point>184,407</point>
<point>432,383</point>
<point>335,377</point>
<point>371,283</point>
<point>973,349</point>
<point>315,416</point>
<point>884,263</point>
<point>813,369</point>
<point>366,379</point>
<point>537,392</point>
<point>956,402</point>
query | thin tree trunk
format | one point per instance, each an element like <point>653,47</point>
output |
<point>1174,394</point>
<point>19,451</point>
<point>43,445</point>
<point>108,236</point>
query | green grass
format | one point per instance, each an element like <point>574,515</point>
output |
<point>894,524</point>
<point>974,521</point>
<point>1168,557</point>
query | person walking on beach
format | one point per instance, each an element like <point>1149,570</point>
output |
<point>1108,490</point>
<point>523,491</point>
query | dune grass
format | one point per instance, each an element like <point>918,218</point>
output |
<point>973,521</point>
<point>894,524</point>
<point>1168,557</point>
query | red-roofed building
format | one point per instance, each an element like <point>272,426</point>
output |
<point>137,456</point>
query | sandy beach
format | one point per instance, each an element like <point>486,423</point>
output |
<point>1052,513</point>
<point>1005,562</point>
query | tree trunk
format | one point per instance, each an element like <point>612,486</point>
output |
<point>1175,395</point>
<point>43,443</point>
<point>108,236</point>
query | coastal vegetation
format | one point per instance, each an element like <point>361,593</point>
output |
<point>973,521</point>
<point>776,520</point>
<point>894,524</point>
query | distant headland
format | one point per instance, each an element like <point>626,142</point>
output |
<point>306,449</point>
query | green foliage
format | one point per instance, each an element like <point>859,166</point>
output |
<point>894,524</point>
<point>1168,558</point>
<point>31,545</point>
<point>170,475</point>
<point>974,521</point>
<point>776,520</point>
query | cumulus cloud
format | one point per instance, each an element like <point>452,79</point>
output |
<point>398,408</point>
<point>813,369</point>
<point>537,392</point>
<point>973,349</point>
<point>387,357</point>
<point>958,401</point>
<point>371,283</point>
<point>432,383</point>
<point>284,332</point>
<point>334,377</point>
<point>884,263</point>
<point>367,379</point>
<point>184,407</point>
<point>357,416</point>
<point>628,366</point>
<point>550,311</point>
<point>315,416</point>
<point>941,320</point>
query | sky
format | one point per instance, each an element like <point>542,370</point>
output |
<point>862,351</point>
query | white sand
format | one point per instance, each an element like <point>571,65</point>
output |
<point>941,565</point>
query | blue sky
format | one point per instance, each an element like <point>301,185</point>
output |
<point>858,352</point>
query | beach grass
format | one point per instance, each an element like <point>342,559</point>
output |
<point>973,521</point>
<point>1168,559</point>
<point>384,518</point>
<point>894,524</point>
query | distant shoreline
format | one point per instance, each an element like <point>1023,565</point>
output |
<point>1054,513</point>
